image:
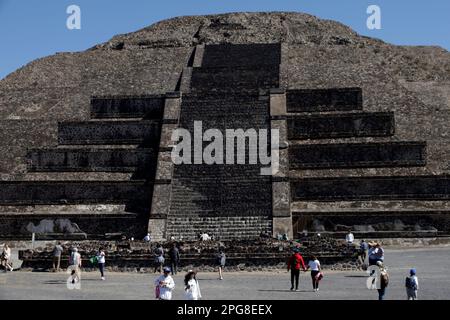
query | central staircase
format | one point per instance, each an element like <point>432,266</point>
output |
<point>229,91</point>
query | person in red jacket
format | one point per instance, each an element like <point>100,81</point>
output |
<point>294,264</point>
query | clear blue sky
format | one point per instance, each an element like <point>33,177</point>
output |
<point>34,29</point>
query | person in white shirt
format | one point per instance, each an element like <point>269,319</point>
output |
<point>350,238</point>
<point>164,285</point>
<point>205,237</point>
<point>147,238</point>
<point>314,265</point>
<point>75,262</point>
<point>192,287</point>
<point>101,258</point>
<point>412,285</point>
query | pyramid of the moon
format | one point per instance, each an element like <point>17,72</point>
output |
<point>85,137</point>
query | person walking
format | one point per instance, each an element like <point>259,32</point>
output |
<point>75,262</point>
<point>412,285</point>
<point>174,255</point>
<point>314,265</point>
<point>159,258</point>
<point>295,262</point>
<point>220,261</point>
<point>376,253</point>
<point>101,260</point>
<point>191,286</point>
<point>363,251</point>
<point>57,252</point>
<point>383,281</point>
<point>164,285</point>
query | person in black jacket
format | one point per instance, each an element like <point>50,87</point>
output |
<point>174,254</point>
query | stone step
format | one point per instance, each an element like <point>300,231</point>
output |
<point>226,79</point>
<point>379,124</point>
<point>241,55</point>
<point>371,188</point>
<point>149,107</point>
<point>357,155</point>
<point>91,160</point>
<point>144,132</point>
<point>321,100</point>
<point>238,96</point>
<point>74,192</point>
<point>82,176</point>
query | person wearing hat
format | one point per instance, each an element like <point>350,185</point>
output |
<point>412,285</point>
<point>376,253</point>
<point>383,280</point>
<point>192,287</point>
<point>164,285</point>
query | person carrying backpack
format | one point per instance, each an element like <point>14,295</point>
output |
<point>412,285</point>
<point>294,264</point>
<point>384,280</point>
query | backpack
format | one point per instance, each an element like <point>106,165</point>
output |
<point>384,279</point>
<point>94,260</point>
<point>410,284</point>
<point>294,262</point>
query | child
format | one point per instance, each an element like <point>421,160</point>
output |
<point>192,288</point>
<point>412,285</point>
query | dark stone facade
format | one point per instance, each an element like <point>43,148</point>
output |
<point>341,126</point>
<point>74,192</point>
<point>229,55</point>
<point>74,226</point>
<point>149,107</point>
<point>144,132</point>
<point>92,160</point>
<point>372,188</point>
<point>357,155</point>
<point>375,224</point>
<point>322,100</point>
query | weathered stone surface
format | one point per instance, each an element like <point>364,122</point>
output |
<point>72,192</point>
<point>150,107</point>
<point>411,82</point>
<point>241,255</point>
<point>319,156</point>
<point>57,225</point>
<point>341,126</point>
<point>110,132</point>
<point>113,160</point>
<point>319,100</point>
<point>372,188</point>
<point>374,224</point>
